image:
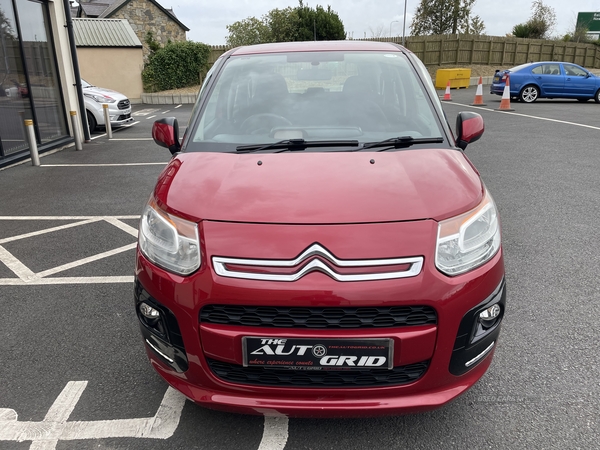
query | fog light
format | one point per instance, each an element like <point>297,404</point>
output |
<point>148,311</point>
<point>488,316</point>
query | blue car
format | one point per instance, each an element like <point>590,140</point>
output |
<point>550,79</point>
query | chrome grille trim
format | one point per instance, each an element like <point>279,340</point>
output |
<point>220,267</point>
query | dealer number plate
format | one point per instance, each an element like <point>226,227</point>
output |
<point>318,354</point>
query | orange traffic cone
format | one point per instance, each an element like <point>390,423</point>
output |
<point>447,97</point>
<point>479,94</point>
<point>505,102</point>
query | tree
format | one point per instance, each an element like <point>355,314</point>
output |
<point>319,24</point>
<point>301,23</point>
<point>248,32</point>
<point>283,24</point>
<point>445,17</point>
<point>540,25</point>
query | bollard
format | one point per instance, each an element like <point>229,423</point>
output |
<point>35,158</point>
<point>107,120</point>
<point>76,133</point>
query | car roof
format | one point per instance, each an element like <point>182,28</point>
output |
<point>317,46</point>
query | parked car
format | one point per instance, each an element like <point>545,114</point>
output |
<point>119,107</point>
<point>549,79</point>
<point>319,244</point>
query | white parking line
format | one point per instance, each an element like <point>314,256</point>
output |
<point>178,106</point>
<point>164,112</point>
<point>87,260</point>
<point>275,433</point>
<point>151,117</point>
<point>66,280</point>
<point>68,217</point>
<point>49,230</point>
<point>55,427</point>
<point>24,273</point>
<point>26,277</point>
<point>123,226</point>
<point>529,116</point>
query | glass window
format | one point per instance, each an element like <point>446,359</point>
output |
<point>14,93</point>
<point>575,71</point>
<point>41,66</point>
<point>314,95</point>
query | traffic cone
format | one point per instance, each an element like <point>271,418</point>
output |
<point>447,96</point>
<point>479,94</point>
<point>505,102</point>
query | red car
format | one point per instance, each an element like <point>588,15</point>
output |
<point>320,245</point>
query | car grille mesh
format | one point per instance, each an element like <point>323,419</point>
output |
<point>123,104</point>
<point>261,376</point>
<point>324,318</point>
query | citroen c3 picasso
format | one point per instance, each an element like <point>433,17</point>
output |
<point>319,244</point>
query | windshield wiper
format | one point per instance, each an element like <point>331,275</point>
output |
<point>294,145</point>
<point>401,142</point>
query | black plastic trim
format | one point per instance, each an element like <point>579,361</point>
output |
<point>166,335</point>
<point>318,317</point>
<point>264,376</point>
<point>471,339</point>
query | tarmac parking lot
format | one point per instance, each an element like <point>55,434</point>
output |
<point>75,375</point>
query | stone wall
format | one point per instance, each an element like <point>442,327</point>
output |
<point>144,16</point>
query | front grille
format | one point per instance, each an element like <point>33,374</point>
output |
<point>261,376</point>
<point>327,318</point>
<point>123,117</point>
<point>123,104</point>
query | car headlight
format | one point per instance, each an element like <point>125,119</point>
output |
<point>469,240</point>
<point>100,98</point>
<point>169,241</point>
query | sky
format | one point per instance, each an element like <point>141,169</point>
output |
<point>207,19</point>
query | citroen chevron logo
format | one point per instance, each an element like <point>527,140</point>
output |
<point>319,260</point>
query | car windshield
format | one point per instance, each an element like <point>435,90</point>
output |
<point>85,84</point>
<point>324,96</point>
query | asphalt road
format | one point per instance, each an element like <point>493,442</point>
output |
<point>541,164</point>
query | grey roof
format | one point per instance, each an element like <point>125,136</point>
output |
<point>118,4</point>
<point>104,33</point>
<point>94,9</point>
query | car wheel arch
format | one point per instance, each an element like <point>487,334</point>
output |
<point>529,93</point>
<point>92,122</point>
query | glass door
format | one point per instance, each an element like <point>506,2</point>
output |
<point>14,93</point>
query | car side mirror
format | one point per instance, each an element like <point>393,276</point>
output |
<point>165,133</point>
<point>469,128</point>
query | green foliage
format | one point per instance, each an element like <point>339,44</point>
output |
<point>152,43</point>
<point>540,25</point>
<point>287,25</point>
<point>445,17</point>
<point>325,23</point>
<point>176,65</point>
<point>580,35</point>
<point>283,24</point>
<point>248,32</point>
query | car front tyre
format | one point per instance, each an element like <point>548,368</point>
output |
<point>597,96</point>
<point>529,94</point>
<point>91,122</point>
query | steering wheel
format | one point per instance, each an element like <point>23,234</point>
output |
<point>262,123</point>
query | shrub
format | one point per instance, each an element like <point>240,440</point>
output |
<point>176,65</point>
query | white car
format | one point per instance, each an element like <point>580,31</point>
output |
<point>119,107</point>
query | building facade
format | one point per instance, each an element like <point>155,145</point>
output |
<point>36,77</point>
<point>143,15</point>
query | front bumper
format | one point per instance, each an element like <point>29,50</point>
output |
<point>203,359</point>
